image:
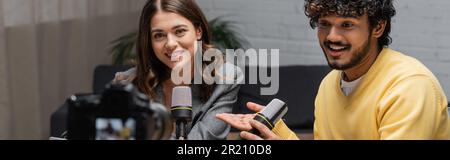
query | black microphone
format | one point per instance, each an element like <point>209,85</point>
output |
<point>271,114</point>
<point>181,110</point>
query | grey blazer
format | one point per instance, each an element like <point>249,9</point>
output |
<point>205,125</point>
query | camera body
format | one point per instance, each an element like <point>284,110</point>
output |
<point>121,112</point>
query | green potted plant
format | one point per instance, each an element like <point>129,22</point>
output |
<point>225,35</point>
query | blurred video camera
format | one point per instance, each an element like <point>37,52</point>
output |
<point>121,112</point>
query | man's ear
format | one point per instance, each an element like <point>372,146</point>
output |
<point>199,33</point>
<point>379,29</point>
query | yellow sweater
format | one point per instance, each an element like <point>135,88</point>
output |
<point>398,98</point>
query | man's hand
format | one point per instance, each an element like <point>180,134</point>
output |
<point>241,121</point>
<point>245,122</point>
<point>238,121</point>
<point>266,133</point>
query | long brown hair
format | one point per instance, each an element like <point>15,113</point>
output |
<point>151,72</point>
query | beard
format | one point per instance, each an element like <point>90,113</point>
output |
<point>357,56</point>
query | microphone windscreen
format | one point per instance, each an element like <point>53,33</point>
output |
<point>275,110</point>
<point>181,96</point>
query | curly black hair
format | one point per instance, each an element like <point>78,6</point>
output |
<point>377,10</point>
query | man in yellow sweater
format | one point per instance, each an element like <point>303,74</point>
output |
<point>373,93</point>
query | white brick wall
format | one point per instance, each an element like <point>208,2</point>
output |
<point>419,30</point>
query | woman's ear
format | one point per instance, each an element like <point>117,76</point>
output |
<point>199,33</point>
<point>379,29</point>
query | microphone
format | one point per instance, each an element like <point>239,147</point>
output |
<point>181,110</point>
<point>271,114</point>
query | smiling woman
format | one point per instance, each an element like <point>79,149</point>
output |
<point>170,33</point>
<point>160,33</point>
